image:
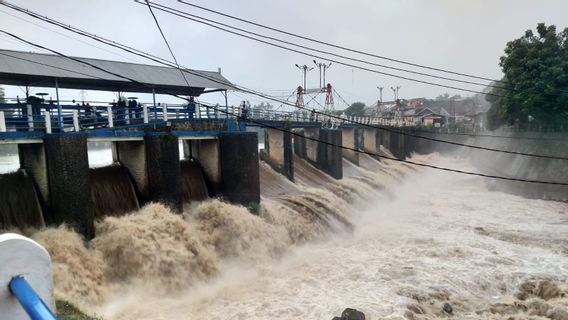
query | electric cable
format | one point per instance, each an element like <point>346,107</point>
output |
<point>161,61</point>
<point>295,133</point>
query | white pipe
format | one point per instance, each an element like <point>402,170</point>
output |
<point>2,122</point>
<point>165,111</point>
<point>30,118</point>
<point>145,111</point>
<point>47,121</point>
<point>110,122</point>
<point>76,120</point>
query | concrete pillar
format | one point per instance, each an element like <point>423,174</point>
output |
<point>132,156</point>
<point>163,169</point>
<point>278,151</point>
<point>397,145</point>
<point>370,143</point>
<point>349,140</point>
<point>240,167</point>
<point>384,138</point>
<point>68,178</point>
<point>311,145</point>
<point>329,153</point>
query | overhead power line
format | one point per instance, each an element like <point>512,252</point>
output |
<point>243,89</point>
<point>173,10</point>
<point>290,131</point>
<point>166,41</point>
<point>312,55</point>
<point>336,45</point>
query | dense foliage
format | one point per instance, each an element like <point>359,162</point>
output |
<point>534,88</point>
<point>356,109</point>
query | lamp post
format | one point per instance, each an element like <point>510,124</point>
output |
<point>305,70</point>
<point>322,66</point>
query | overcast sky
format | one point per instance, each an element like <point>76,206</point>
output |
<point>466,36</point>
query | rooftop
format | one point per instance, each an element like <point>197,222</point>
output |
<point>41,70</point>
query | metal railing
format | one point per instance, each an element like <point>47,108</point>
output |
<point>73,118</point>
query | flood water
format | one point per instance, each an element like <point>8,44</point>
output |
<point>392,241</point>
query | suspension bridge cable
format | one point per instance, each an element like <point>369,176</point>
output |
<point>290,131</point>
<point>243,89</point>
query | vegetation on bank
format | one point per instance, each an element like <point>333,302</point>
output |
<point>534,89</point>
<point>68,311</point>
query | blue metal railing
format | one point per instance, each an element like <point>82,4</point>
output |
<point>30,301</point>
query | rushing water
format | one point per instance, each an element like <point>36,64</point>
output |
<point>391,241</point>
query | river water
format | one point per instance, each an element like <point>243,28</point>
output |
<point>420,242</point>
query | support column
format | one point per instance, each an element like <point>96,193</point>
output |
<point>278,151</point>
<point>162,160</point>
<point>240,167</point>
<point>370,142</point>
<point>68,178</point>
<point>397,145</point>
<point>349,140</point>
<point>311,145</point>
<point>329,153</point>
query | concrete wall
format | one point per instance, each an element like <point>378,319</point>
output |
<point>299,143</point>
<point>132,155</point>
<point>32,159</point>
<point>69,187</point>
<point>349,140</point>
<point>163,168</point>
<point>278,150</point>
<point>370,143</point>
<point>510,165</point>
<point>207,154</point>
<point>311,145</point>
<point>330,153</point>
<point>240,167</point>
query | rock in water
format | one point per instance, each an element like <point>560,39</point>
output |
<point>448,308</point>
<point>352,314</point>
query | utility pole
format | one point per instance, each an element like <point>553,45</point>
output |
<point>380,94</point>
<point>322,66</point>
<point>305,70</point>
<point>395,92</point>
<point>380,102</point>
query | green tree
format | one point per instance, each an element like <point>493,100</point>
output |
<point>535,82</point>
<point>356,109</point>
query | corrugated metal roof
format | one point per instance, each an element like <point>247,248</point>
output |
<point>38,69</point>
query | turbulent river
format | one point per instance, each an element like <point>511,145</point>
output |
<point>392,241</point>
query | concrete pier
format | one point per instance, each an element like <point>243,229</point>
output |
<point>240,167</point>
<point>68,176</point>
<point>162,159</point>
<point>371,140</point>
<point>329,153</point>
<point>349,139</point>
